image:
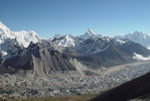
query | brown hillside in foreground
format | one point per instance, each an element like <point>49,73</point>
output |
<point>64,98</point>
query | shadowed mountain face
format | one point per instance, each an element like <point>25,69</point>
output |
<point>131,47</point>
<point>130,90</point>
<point>97,51</point>
<point>39,58</point>
<point>47,56</point>
<point>112,55</point>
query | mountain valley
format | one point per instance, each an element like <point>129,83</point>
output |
<point>91,63</point>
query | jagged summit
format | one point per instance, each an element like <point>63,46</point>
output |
<point>88,34</point>
<point>42,60</point>
<point>64,40</point>
<point>3,27</point>
<point>139,37</point>
<point>90,31</point>
<point>138,33</point>
<point>25,37</point>
<point>22,37</point>
<point>5,31</point>
<point>9,39</point>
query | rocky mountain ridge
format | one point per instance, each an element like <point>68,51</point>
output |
<point>138,37</point>
<point>66,64</point>
<point>93,50</point>
<point>10,39</point>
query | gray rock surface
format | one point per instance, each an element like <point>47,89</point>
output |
<point>69,83</point>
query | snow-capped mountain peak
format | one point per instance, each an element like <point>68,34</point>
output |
<point>11,39</point>
<point>5,32</point>
<point>4,28</point>
<point>137,34</point>
<point>25,37</point>
<point>69,40</point>
<point>22,37</point>
<point>64,40</point>
<point>90,32</point>
<point>139,37</point>
<point>57,36</point>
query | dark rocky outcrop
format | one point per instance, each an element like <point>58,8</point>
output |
<point>130,47</point>
<point>130,90</point>
<point>41,59</point>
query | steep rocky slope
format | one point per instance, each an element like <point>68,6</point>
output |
<point>130,90</point>
<point>43,60</point>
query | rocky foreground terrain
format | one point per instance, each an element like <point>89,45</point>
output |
<point>26,84</point>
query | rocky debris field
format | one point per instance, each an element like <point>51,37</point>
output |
<point>69,83</point>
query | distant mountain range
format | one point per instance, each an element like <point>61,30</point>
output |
<point>25,50</point>
<point>139,37</point>
<point>105,50</point>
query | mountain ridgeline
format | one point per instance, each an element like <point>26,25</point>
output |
<point>26,51</point>
<point>41,59</point>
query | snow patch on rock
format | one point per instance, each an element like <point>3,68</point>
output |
<point>120,41</point>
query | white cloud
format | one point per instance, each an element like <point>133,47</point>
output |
<point>148,47</point>
<point>140,57</point>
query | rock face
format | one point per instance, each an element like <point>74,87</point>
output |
<point>41,59</point>
<point>130,90</point>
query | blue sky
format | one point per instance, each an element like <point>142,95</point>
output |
<point>49,17</point>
